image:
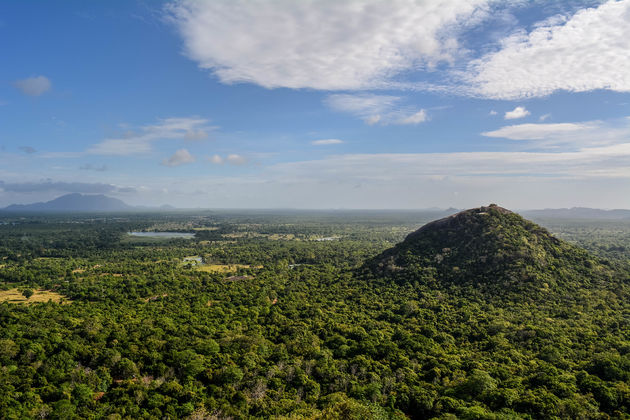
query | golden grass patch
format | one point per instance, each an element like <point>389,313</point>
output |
<point>15,296</point>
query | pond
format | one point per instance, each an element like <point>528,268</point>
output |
<point>164,235</point>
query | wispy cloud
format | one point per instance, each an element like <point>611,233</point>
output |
<point>326,142</point>
<point>416,118</point>
<point>540,131</point>
<point>377,109</point>
<point>140,141</point>
<point>91,167</point>
<point>518,112</point>
<point>28,149</point>
<point>33,86</point>
<point>569,135</point>
<point>611,161</point>
<point>65,187</point>
<point>180,157</point>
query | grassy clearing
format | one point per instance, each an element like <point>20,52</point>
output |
<point>282,237</point>
<point>15,296</point>
<point>224,268</point>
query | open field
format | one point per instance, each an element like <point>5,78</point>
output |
<point>15,296</point>
<point>224,268</point>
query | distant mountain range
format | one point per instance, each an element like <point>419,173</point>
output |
<point>578,213</point>
<point>77,203</point>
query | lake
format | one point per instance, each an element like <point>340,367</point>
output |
<point>165,235</point>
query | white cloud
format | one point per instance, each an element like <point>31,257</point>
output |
<point>568,135</point>
<point>235,159</point>
<point>366,106</point>
<point>492,112</point>
<point>376,109</point>
<point>180,157</point>
<point>611,161</point>
<point>140,142</point>
<point>329,45</point>
<point>373,119</point>
<point>417,118</point>
<point>33,86</point>
<point>518,112</point>
<point>326,142</point>
<point>544,117</point>
<point>232,159</point>
<point>198,134</point>
<point>585,52</point>
<point>539,131</point>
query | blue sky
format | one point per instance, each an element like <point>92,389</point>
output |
<point>317,104</point>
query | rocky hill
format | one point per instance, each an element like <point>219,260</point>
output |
<point>490,248</point>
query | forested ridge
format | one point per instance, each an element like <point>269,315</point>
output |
<point>323,317</point>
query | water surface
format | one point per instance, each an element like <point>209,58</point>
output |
<point>165,235</point>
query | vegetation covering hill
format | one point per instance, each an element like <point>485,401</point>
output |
<point>495,250</point>
<point>73,203</point>
<point>303,329</point>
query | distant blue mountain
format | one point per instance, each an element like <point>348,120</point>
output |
<point>73,203</point>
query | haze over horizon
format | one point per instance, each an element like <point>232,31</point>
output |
<point>398,104</point>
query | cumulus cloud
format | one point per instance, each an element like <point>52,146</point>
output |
<point>584,52</point>
<point>216,159</point>
<point>376,109</point>
<point>326,142</point>
<point>140,141</point>
<point>329,45</point>
<point>518,112</point>
<point>33,86</point>
<point>61,186</point>
<point>180,157</point>
<point>235,159</point>
<point>232,159</point>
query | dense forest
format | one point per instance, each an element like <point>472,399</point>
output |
<point>320,315</point>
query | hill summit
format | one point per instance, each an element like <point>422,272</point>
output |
<point>492,248</point>
<point>73,203</point>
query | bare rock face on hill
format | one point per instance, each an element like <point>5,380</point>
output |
<point>491,248</point>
